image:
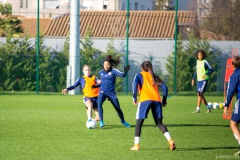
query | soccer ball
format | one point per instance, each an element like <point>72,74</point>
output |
<point>215,105</point>
<point>91,124</point>
<point>210,104</point>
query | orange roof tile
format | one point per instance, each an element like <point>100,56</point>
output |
<point>29,26</point>
<point>142,24</point>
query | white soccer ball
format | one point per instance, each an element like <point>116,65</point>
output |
<point>210,104</point>
<point>215,105</point>
<point>91,124</point>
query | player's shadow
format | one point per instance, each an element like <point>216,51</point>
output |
<point>114,126</point>
<point>204,148</point>
<point>192,148</point>
<point>188,125</point>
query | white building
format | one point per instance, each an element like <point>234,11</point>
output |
<point>53,8</point>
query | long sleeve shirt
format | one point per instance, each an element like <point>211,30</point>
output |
<point>108,79</point>
<point>233,86</point>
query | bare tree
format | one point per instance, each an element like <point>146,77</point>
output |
<point>220,18</point>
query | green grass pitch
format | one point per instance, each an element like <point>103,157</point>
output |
<point>52,127</point>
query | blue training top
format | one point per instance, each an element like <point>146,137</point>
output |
<point>108,79</point>
<point>233,86</point>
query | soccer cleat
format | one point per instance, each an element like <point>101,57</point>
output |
<point>125,124</point>
<point>209,110</point>
<point>89,120</point>
<point>171,144</point>
<point>136,147</point>
<point>237,154</point>
<point>101,124</point>
<point>196,111</point>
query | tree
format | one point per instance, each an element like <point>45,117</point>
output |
<point>186,62</point>
<point>5,9</point>
<point>90,55</point>
<point>221,19</point>
<point>10,26</point>
<point>164,5</point>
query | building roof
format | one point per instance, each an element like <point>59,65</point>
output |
<point>142,24</point>
<point>29,26</point>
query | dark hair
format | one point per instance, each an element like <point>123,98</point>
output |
<point>236,62</point>
<point>203,54</point>
<point>147,67</point>
<point>112,61</point>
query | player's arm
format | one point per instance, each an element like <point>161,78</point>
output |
<point>97,83</point>
<point>122,74</point>
<point>136,83</point>
<point>208,68</point>
<point>164,89</point>
<point>231,89</point>
<point>77,83</point>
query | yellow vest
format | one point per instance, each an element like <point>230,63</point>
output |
<point>88,91</point>
<point>148,90</point>
<point>201,70</point>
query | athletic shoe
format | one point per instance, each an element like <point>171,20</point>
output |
<point>237,154</point>
<point>196,111</point>
<point>136,147</point>
<point>126,124</point>
<point>89,120</point>
<point>171,144</point>
<point>209,110</point>
<point>101,124</point>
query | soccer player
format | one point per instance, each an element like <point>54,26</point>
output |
<point>147,83</point>
<point>107,87</point>
<point>203,70</point>
<point>234,87</point>
<point>90,94</point>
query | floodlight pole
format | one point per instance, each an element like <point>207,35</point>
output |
<point>37,51</point>
<point>74,47</point>
<point>175,47</point>
<point>127,43</point>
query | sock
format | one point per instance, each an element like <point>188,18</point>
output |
<point>136,140</point>
<point>198,108</point>
<point>235,136</point>
<point>167,135</point>
<point>208,107</point>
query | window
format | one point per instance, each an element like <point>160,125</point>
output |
<point>123,7</point>
<point>23,3</point>
<point>50,4</point>
<point>105,4</point>
<point>136,6</point>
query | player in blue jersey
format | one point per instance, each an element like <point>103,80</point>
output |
<point>147,84</point>
<point>234,87</point>
<point>107,87</point>
<point>203,70</point>
<point>90,94</point>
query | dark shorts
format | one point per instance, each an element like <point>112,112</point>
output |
<point>236,112</point>
<point>202,86</point>
<point>144,107</point>
<point>94,101</point>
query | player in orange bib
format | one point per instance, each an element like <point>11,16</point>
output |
<point>90,94</point>
<point>147,83</point>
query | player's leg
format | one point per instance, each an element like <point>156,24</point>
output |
<point>235,120</point>
<point>203,89</point>
<point>88,104</point>
<point>114,100</point>
<point>157,115</point>
<point>95,108</point>
<point>101,98</point>
<point>199,98</point>
<point>138,130</point>
<point>141,115</point>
